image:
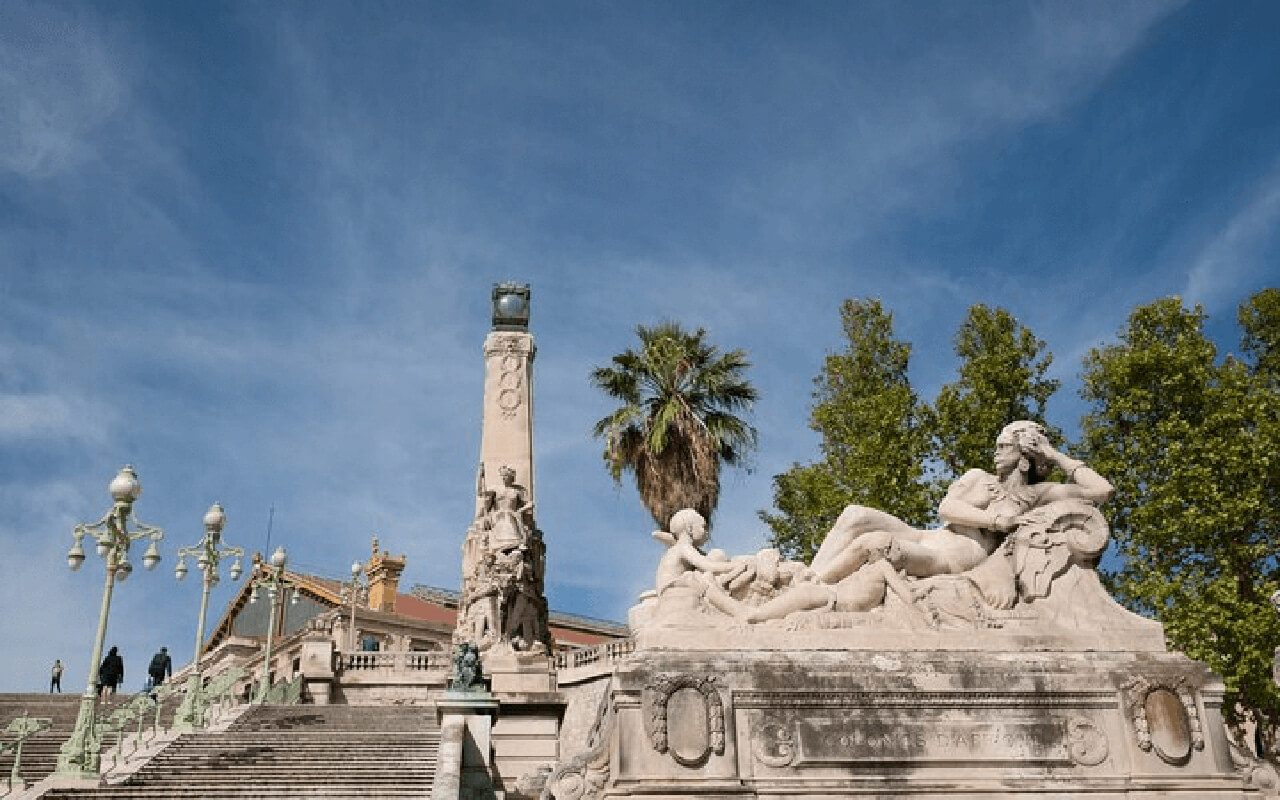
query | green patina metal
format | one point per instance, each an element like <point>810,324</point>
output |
<point>23,727</point>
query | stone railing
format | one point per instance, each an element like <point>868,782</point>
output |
<point>600,655</point>
<point>393,661</point>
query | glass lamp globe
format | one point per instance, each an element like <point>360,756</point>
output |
<point>151,557</point>
<point>75,556</point>
<point>180,571</point>
<point>215,518</point>
<point>123,570</point>
<point>278,558</point>
<point>125,486</point>
<point>512,305</point>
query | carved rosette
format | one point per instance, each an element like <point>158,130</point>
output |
<point>690,707</point>
<point>1164,716</point>
<point>1086,743</point>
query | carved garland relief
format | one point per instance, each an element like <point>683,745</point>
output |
<point>684,716</point>
<point>1164,717</point>
<point>511,368</point>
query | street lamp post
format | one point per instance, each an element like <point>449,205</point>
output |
<point>276,584</point>
<point>353,588</point>
<point>79,756</point>
<point>207,553</point>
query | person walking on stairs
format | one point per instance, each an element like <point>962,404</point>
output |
<point>55,679</point>
<point>161,667</point>
<point>111,673</point>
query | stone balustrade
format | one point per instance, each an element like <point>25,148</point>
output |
<point>575,665</point>
<point>393,661</point>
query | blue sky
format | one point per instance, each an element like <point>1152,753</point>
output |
<point>248,248</point>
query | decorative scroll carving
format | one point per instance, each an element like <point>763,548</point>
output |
<point>1086,743</point>
<point>657,698</point>
<point>1164,715</point>
<point>583,776</point>
<point>773,744</point>
<point>1257,773</point>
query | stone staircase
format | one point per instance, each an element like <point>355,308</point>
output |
<point>40,753</point>
<point>293,752</point>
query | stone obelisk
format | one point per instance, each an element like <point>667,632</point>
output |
<point>506,438</point>
<point>503,610</point>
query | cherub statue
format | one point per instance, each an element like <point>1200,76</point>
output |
<point>684,563</point>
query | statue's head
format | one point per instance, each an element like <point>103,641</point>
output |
<point>690,523</point>
<point>507,474</point>
<point>1015,439</point>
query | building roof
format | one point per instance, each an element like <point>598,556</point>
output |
<point>422,603</point>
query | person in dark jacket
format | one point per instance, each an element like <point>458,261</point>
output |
<point>161,667</point>
<point>111,673</point>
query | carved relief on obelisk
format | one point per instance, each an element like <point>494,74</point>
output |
<point>503,558</point>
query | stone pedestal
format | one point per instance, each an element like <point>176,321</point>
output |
<point>468,773</point>
<point>940,716</point>
<point>526,741</point>
<point>317,668</point>
<point>513,672</point>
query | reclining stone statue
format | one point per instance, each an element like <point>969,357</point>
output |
<point>1006,537</point>
<point>978,510</point>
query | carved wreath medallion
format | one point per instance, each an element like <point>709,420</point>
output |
<point>1086,743</point>
<point>1164,715</point>
<point>683,715</point>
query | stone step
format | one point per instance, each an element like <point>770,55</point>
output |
<point>243,792</point>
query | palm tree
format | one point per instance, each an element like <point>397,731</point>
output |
<point>677,422</point>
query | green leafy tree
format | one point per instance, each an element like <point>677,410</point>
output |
<point>678,419</point>
<point>1192,445</point>
<point>873,442</point>
<point>1002,379</point>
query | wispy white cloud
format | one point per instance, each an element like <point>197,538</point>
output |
<point>1242,250</point>
<point>59,81</point>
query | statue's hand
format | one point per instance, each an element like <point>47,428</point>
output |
<point>1004,523</point>
<point>1037,444</point>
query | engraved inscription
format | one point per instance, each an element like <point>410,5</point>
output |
<point>855,740</point>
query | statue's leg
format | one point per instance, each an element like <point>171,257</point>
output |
<point>940,552</point>
<point>854,523</point>
<point>721,600</point>
<point>869,547</point>
<point>801,597</point>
